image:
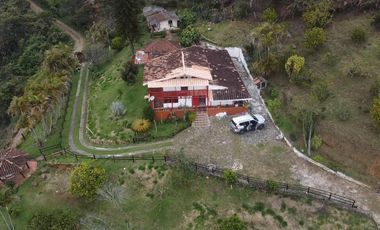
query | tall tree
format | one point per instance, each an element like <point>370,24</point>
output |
<point>126,14</point>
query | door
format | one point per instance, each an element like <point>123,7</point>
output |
<point>195,101</point>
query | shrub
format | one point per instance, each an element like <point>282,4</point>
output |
<point>117,43</point>
<point>232,223</point>
<point>129,73</point>
<point>375,88</point>
<point>272,186</point>
<point>320,91</point>
<point>230,176</point>
<point>376,21</point>
<point>343,114</point>
<point>318,15</point>
<point>159,34</point>
<point>314,37</point>
<point>141,125</point>
<point>293,66</point>
<point>190,116</point>
<point>189,36</point>
<point>187,18</point>
<point>274,105</point>
<point>358,35</point>
<point>330,59</point>
<point>375,111</point>
<point>356,72</point>
<point>86,179</point>
<point>270,15</point>
<point>57,220</point>
<point>274,93</point>
<point>149,113</point>
<point>316,142</point>
<point>241,9</point>
<point>117,108</point>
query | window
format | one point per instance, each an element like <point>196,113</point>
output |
<point>171,100</point>
<point>184,88</point>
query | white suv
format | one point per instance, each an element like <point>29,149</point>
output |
<point>247,122</point>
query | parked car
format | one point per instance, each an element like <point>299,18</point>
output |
<point>247,122</point>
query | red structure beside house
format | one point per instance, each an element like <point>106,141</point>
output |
<point>193,79</point>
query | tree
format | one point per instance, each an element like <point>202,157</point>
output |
<point>56,219</point>
<point>242,9</point>
<point>86,179</point>
<point>376,21</point>
<point>96,53</point>
<point>117,43</point>
<point>375,111</point>
<point>187,18</point>
<point>59,59</point>
<point>141,125</point>
<point>314,37</point>
<point>130,72</point>
<point>126,14</point>
<point>189,36</point>
<point>318,14</point>
<point>232,223</point>
<point>270,15</point>
<point>294,66</point>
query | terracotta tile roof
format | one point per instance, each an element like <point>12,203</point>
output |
<point>12,162</point>
<point>218,61</point>
<point>160,47</point>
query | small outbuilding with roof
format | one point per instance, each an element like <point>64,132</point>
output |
<point>160,19</point>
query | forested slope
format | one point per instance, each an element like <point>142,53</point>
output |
<point>24,39</point>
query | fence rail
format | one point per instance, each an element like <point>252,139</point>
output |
<point>213,170</point>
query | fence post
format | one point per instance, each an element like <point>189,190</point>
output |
<point>76,157</point>
<point>287,186</point>
<point>114,160</point>
<point>153,159</point>
<point>196,167</point>
<point>330,196</point>
<point>133,159</point>
<point>353,204</point>
<point>94,156</point>
<point>42,153</point>
<point>247,179</point>
<point>308,189</point>
<point>165,158</point>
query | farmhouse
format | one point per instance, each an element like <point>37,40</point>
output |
<point>155,49</point>
<point>194,78</point>
<point>159,19</point>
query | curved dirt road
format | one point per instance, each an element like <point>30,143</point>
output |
<point>78,38</point>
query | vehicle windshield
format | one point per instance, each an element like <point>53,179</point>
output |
<point>232,121</point>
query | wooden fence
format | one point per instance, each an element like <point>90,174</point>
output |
<point>214,171</point>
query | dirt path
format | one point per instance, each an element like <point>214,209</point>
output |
<point>78,38</point>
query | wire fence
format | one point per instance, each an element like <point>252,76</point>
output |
<point>214,171</point>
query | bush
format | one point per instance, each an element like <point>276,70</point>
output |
<point>293,66</point>
<point>356,72</point>
<point>159,34</point>
<point>230,176</point>
<point>274,93</point>
<point>358,35</point>
<point>117,43</point>
<point>232,223</point>
<point>316,142</point>
<point>141,125</point>
<point>86,179</point>
<point>272,186</point>
<point>343,114</point>
<point>320,91</point>
<point>57,220</point>
<point>129,73</point>
<point>274,105</point>
<point>375,111</point>
<point>189,36</point>
<point>270,15</point>
<point>149,113</point>
<point>376,21</point>
<point>187,18</point>
<point>318,14</point>
<point>242,9</point>
<point>117,108</point>
<point>375,88</point>
<point>190,116</point>
<point>314,37</point>
<point>330,59</point>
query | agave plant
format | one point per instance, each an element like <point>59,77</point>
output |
<point>141,125</point>
<point>117,108</point>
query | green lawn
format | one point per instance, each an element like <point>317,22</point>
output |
<point>106,87</point>
<point>156,197</point>
<point>228,33</point>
